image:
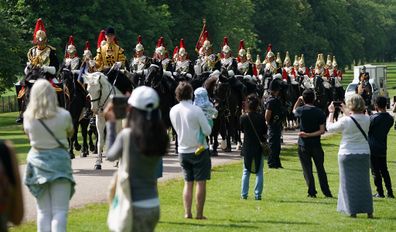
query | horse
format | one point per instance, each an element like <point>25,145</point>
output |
<point>337,94</point>
<point>75,101</point>
<point>321,94</point>
<point>291,95</point>
<point>99,90</point>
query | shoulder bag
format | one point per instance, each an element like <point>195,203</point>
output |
<point>360,128</point>
<point>52,134</point>
<point>120,217</point>
<point>264,145</point>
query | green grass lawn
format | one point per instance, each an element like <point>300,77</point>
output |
<point>284,207</point>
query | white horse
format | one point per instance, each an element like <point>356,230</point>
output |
<point>100,91</point>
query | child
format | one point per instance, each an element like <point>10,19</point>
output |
<point>201,99</point>
<point>380,125</point>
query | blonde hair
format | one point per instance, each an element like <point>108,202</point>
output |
<point>356,104</point>
<point>43,103</point>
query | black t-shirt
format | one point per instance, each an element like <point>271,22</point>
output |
<point>311,117</point>
<point>379,128</point>
<point>275,105</point>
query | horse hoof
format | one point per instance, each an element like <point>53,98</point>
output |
<point>98,167</point>
<point>72,156</point>
<point>77,146</point>
<point>84,154</point>
<point>91,147</point>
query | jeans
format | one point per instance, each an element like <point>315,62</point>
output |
<point>258,187</point>
<point>53,206</point>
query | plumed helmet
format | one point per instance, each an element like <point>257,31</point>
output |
<point>39,33</point>
<point>226,47</point>
<point>301,62</point>
<point>206,44</point>
<point>258,61</point>
<point>175,52</point>
<point>334,62</point>
<point>160,48</point>
<point>269,51</point>
<point>87,51</point>
<point>248,54</point>
<point>295,63</point>
<point>241,49</point>
<point>101,38</point>
<point>71,47</point>
<point>329,63</point>
<point>139,46</point>
<point>182,48</point>
<point>278,59</point>
<point>287,59</point>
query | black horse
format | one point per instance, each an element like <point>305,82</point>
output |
<point>75,101</point>
<point>322,95</point>
<point>119,79</point>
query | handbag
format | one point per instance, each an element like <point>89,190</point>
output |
<point>51,133</point>
<point>119,218</point>
<point>360,128</point>
<point>264,145</point>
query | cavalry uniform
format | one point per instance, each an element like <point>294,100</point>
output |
<point>270,64</point>
<point>207,62</point>
<point>183,65</point>
<point>227,61</point>
<point>71,61</point>
<point>139,62</point>
<point>244,67</point>
<point>109,53</point>
<point>161,55</point>
<point>337,74</point>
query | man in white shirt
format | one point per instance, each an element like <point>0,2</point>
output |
<point>188,121</point>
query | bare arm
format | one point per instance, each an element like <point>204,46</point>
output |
<point>268,115</point>
<point>319,132</point>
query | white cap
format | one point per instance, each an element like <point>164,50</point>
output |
<point>144,98</point>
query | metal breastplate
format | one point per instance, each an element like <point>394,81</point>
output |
<point>139,63</point>
<point>243,68</point>
<point>38,58</point>
<point>182,66</point>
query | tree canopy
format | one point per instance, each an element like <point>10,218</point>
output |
<point>349,29</point>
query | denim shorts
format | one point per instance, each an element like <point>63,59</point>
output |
<point>196,167</point>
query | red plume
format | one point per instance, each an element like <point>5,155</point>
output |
<point>101,37</point>
<point>175,51</point>
<point>87,45</point>
<point>181,45</point>
<point>284,75</point>
<point>160,42</point>
<point>39,26</point>
<point>255,73</point>
<point>225,41</point>
<point>71,40</point>
<point>139,41</point>
<point>241,44</point>
<point>269,48</point>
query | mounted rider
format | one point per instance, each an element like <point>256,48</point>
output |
<point>228,62</point>
<point>289,69</point>
<point>258,70</point>
<point>244,66</point>
<point>41,56</point>
<point>337,74</point>
<point>71,61</point>
<point>161,55</point>
<point>139,62</point>
<point>207,61</point>
<point>183,65</point>
<point>270,64</point>
<point>109,52</point>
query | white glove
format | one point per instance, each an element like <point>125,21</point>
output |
<point>189,75</point>
<point>231,73</point>
<point>118,65</point>
<point>91,63</point>
<point>49,69</point>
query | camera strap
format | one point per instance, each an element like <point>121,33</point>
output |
<point>360,128</point>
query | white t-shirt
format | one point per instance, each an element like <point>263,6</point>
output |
<point>353,141</point>
<point>188,120</point>
<point>40,138</point>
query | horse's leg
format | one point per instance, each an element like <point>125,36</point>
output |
<point>214,135</point>
<point>229,133</point>
<point>84,131</point>
<point>100,125</point>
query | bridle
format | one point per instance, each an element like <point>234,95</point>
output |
<point>100,106</point>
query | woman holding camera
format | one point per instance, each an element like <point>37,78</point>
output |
<point>146,141</point>
<point>354,194</point>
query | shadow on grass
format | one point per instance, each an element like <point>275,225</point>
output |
<point>274,222</point>
<point>189,222</point>
<point>88,172</point>
<point>314,172</point>
<point>305,202</point>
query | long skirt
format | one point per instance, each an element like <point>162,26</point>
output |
<point>354,194</point>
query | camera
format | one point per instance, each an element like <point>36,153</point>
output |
<point>337,103</point>
<point>120,105</point>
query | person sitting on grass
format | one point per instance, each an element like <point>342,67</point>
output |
<point>380,125</point>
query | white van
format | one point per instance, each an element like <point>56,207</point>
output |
<point>377,80</point>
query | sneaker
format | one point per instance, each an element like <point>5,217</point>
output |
<point>244,197</point>
<point>257,198</point>
<point>377,195</point>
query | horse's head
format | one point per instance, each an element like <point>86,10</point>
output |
<point>33,74</point>
<point>94,88</point>
<point>154,75</point>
